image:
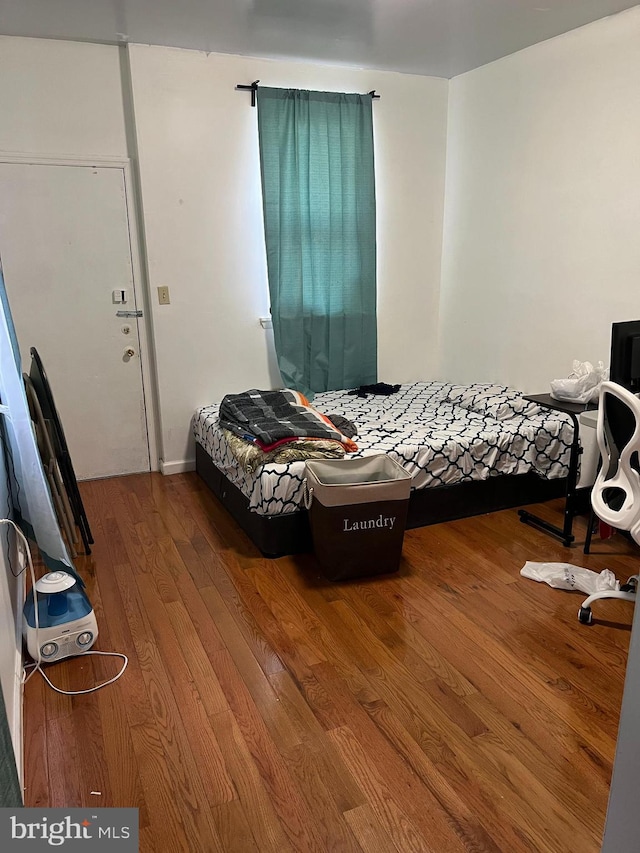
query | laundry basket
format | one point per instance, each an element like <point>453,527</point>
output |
<point>357,513</point>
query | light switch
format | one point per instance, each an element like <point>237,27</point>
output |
<point>163,296</point>
<point>118,297</point>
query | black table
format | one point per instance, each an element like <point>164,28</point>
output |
<point>570,507</point>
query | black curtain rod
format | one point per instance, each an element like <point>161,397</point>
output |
<point>253,88</point>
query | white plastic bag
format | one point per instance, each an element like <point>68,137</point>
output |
<point>566,576</point>
<point>583,383</point>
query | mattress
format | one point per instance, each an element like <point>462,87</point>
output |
<point>441,433</point>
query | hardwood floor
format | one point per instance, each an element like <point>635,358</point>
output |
<point>453,706</point>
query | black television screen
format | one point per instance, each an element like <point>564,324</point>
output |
<point>625,355</point>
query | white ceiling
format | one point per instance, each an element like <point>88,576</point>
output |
<point>434,37</point>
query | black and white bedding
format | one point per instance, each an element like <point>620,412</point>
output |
<point>441,433</point>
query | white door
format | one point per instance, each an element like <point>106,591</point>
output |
<point>65,247</point>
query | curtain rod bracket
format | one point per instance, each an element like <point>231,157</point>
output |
<point>253,88</point>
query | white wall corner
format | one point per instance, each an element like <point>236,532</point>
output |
<point>177,466</point>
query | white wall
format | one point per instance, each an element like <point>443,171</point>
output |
<point>60,98</point>
<point>63,101</point>
<point>200,180</point>
<point>542,217</point>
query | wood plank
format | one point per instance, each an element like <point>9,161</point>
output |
<point>167,818</point>
<point>490,652</point>
<point>526,712</point>
<point>65,780</point>
<point>316,787</point>
<point>119,755</point>
<point>167,737</point>
<point>447,746</point>
<point>200,744</point>
<point>481,828</point>
<point>383,800</point>
<point>199,663</point>
<point>36,752</point>
<point>241,597</point>
<point>251,679</point>
<point>415,799</point>
<point>344,790</point>
<point>252,788</point>
<point>243,602</point>
<point>233,828</point>
<point>293,812</point>
<point>368,830</point>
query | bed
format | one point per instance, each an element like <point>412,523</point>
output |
<point>469,448</point>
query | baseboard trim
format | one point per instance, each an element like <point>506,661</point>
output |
<point>178,466</point>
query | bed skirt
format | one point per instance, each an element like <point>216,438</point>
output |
<point>279,535</point>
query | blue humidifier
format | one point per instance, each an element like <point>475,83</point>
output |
<point>67,623</point>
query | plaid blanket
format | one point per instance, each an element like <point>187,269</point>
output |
<point>272,415</point>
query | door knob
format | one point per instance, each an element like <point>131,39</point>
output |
<point>129,352</point>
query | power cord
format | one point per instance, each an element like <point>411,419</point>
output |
<point>37,667</point>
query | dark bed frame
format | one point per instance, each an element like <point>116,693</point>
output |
<point>279,535</point>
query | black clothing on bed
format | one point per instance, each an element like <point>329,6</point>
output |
<point>345,426</point>
<point>378,388</point>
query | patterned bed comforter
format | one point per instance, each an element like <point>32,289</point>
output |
<point>441,433</point>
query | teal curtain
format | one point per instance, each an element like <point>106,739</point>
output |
<point>318,191</point>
